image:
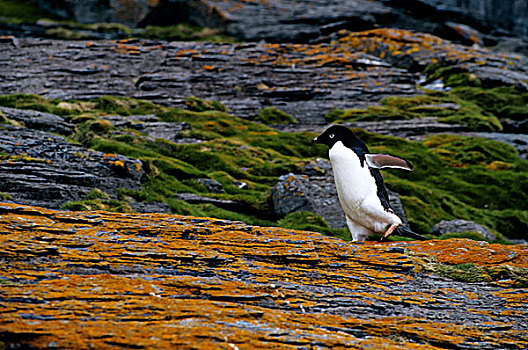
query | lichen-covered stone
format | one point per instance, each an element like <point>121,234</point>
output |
<point>107,280</point>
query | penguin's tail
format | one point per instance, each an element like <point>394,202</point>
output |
<point>402,231</point>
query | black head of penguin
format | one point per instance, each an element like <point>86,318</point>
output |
<point>341,133</point>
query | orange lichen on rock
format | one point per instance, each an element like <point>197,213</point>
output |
<point>464,251</point>
<point>109,280</point>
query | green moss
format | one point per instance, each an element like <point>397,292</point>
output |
<point>22,11</point>
<point>471,273</point>
<point>97,194</point>
<point>447,107</point>
<point>185,32</point>
<point>98,200</point>
<point>451,75</point>
<point>198,105</point>
<point>308,221</point>
<point>274,116</point>
<point>503,102</point>
<point>463,272</point>
<point>4,119</point>
<point>5,196</point>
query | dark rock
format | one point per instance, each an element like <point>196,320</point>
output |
<point>290,195</point>
<point>512,44</point>
<point>211,185</point>
<point>503,16</point>
<point>408,128</point>
<point>221,203</point>
<point>46,170</point>
<point>458,226</point>
<point>97,11</point>
<point>150,125</point>
<point>38,120</point>
<point>150,207</point>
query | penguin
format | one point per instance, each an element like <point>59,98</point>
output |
<point>360,187</point>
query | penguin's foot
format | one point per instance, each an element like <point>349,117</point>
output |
<point>388,232</point>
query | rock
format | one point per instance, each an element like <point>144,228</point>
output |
<point>44,169</point>
<point>150,125</point>
<point>290,195</point>
<point>458,226</point>
<point>97,11</point>
<point>211,185</point>
<point>297,21</point>
<point>38,120</point>
<point>315,191</point>
<point>302,21</point>
<point>150,207</point>
<point>408,128</point>
<point>415,51</point>
<point>221,203</point>
<point>510,17</point>
<point>304,81</point>
<point>160,281</point>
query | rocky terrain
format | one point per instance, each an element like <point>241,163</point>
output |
<point>211,142</point>
<point>102,280</point>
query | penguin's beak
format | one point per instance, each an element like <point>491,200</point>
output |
<point>314,140</point>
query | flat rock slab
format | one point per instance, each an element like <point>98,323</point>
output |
<point>305,81</point>
<point>107,280</point>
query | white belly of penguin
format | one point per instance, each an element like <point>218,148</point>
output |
<point>357,191</point>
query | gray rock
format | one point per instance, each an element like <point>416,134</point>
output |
<point>97,11</point>
<point>506,16</point>
<point>151,126</point>
<point>458,226</point>
<point>222,203</point>
<point>211,185</point>
<point>249,77</point>
<point>46,170</point>
<point>38,120</point>
<point>150,207</point>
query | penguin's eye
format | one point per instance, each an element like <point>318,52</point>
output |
<point>331,136</point>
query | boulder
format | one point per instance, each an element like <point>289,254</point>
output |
<point>211,185</point>
<point>459,226</point>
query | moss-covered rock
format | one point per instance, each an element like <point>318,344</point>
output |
<point>272,115</point>
<point>452,107</point>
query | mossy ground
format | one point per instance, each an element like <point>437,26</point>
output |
<point>22,11</point>
<point>455,176</point>
<point>27,11</point>
<point>476,108</point>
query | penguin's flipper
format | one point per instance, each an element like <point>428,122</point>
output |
<point>382,161</point>
<point>402,231</point>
